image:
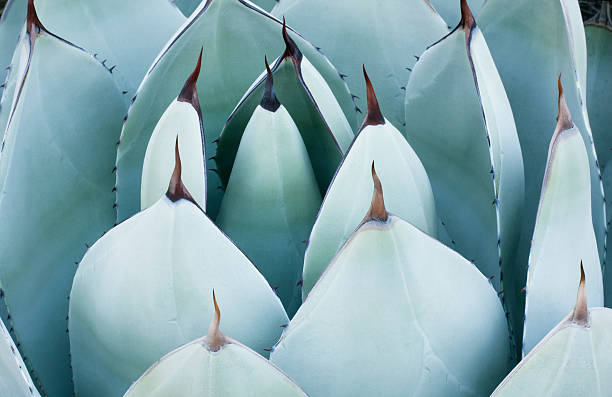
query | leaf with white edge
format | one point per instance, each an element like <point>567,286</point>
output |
<point>142,290</point>
<point>408,193</point>
<point>11,23</point>
<point>212,366</point>
<point>405,304</point>
<point>312,105</point>
<point>406,27</point>
<point>572,360</point>
<point>460,124</point>
<point>531,44</point>
<point>598,32</point>
<point>450,10</point>
<point>187,7</point>
<point>563,234</point>
<point>15,380</point>
<point>182,119</point>
<point>125,35</point>
<point>272,198</point>
<point>235,35</point>
<point>56,174</point>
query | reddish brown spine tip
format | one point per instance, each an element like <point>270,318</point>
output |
<point>215,338</point>
<point>33,24</point>
<point>374,115</point>
<point>580,315</point>
<point>377,211</point>
<point>467,18</point>
<point>564,119</point>
<point>291,49</point>
<point>269,100</point>
<point>189,93</point>
<point>176,188</point>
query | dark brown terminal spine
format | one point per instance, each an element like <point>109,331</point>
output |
<point>564,119</point>
<point>291,49</point>
<point>374,115</point>
<point>269,100</point>
<point>377,211</point>
<point>176,188</point>
<point>189,93</point>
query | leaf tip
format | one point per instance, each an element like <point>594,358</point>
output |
<point>176,189</point>
<point>33,24</point>
<point>467,18</point>
<point>189,93</point>
<point>215,339</point>
<point>291,49</point>
<point>564,118</point>
<point>377,211</point>
<point>580,315</point>
<point>374,115</point>
<point>269,101</point>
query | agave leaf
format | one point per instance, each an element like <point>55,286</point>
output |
<point>301,89</point>
<point>125,35</point>
<point>531,44</point>
<point>272,197</point>
<point>572,360</point>
<point>326,24</point>
<point>182,118</point>
<point>563,234</point>
<point>56,173</point>
<point>471,154</point>
<point>409,193</point>
<point>235,35</point>
<point>450,10</point>
<point>15,380</point>
<point>214,365</point>
<point>599,41</point>
<point>11,23</point>
<point>140,292</point>
<point>187,7</point>
<point>407,305</point>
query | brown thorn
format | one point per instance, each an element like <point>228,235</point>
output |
<point>189,93</point>
<point>374,115</point>
<point>291,49</point>
<point>580,315</point>
<point>269,100</point>
<point>215,339</point>
<point>176,188</point>
<point>33,24</point>
<point>377,211</point>
<point>564,119</point>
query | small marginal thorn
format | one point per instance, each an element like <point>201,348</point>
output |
<point>284,325</point>
<point>491,278</point>
<point>112,68</point>
<point>268,349</point>
<point>2,85</point>
<point>220,188</point>
<point>507,314</point>
<point>104,62</point>
<point>86,245</point>
<point>342,76</point>
<point>500,293</point>
<point>358,110</point>
<point>453,241</point>
<point>299,283</point>
<point>213,158</point>
<point>216,140</point>
<point>114,169</point>
<point>354,96</point>
<point>524,289</point>
<point>275,288</point>
<point>124,92</point>
<point>114,189</point>
<point>304,241</point>
<point>417,57</point>
<point>115,205</point>
<point>318,48</point>
<point>409,69</point>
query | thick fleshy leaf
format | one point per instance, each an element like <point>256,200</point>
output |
<point>450,10</point>
<point>349,32</point>
<point>56,174</point>
<point>405,304</point>
<point>235,36</point>
<point>15,380</point>
<point>531,44</point>
<point>408,193</point>
<point>11,23</point>
<point>598,32</point>
<point>272,198</point>
<point>187,7</point>
<point>212,366</point>
<point>143,289</point>
<point>572,360</point>
<point>312,105</point>
<point>125,35</point>
<point>471,153</point>
<point>563,235</point>
<point>182,120</point>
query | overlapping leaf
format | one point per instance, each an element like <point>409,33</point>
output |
<point>15,380</point>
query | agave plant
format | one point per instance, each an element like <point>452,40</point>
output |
<point>211,366</point>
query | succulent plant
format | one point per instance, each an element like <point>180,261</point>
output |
<point>214,365</point>
<point>183,117</point>
<point>472,154</point>
<point>15,380</point>
<point>270,214</point>
<point>348,198</point>
<point>140,291</point>
<point>56,176</point>
<point>572,360</point>
<point>308,98</point>
<point>563,234</point>
<point>392,298</point>
<point>327,24</point>
<point>235,35</point>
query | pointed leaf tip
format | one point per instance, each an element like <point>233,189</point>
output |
<point>581,311</point>
<point>291,49</point>
<point>176,188</point>
<point>467,18</point>
<point>377,211</point>
<point>269,100</point>
<point>564,119</point>
<point>374,115</point>
<point>215,339</point>
<point>189,93</point>
<point>33,24</point>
